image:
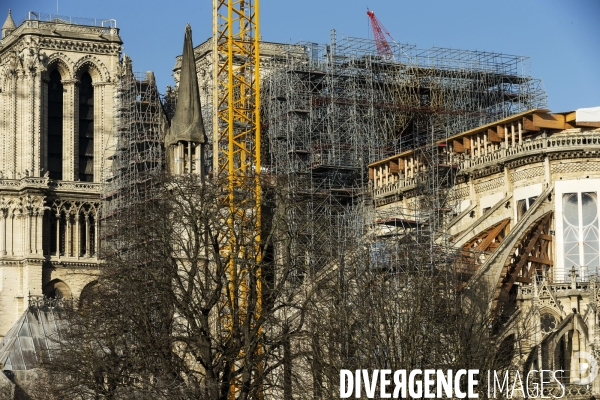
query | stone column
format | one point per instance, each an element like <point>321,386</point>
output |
<point>58,234</point>
<point>10,165</point>
<point>27,228</point>
<point>199,160</point>
<point>77,236</point>
<point>3,108</point>
<point>87,236</point>
<point>96,235</point>
<point>179,160</point>
<point>189,157</point>
<point>28,130</point>
<point>20,130</point>
<point>100,108</point>
<point>2,233</point>
<point>37,124</point>
<point>68,241</point>
<point>43,166</point>
<point>70,129</point>
<point>21,226</point>
<point>39,226</point>
<point>9,233</point>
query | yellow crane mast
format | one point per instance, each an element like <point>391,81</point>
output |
<point>236,155</point>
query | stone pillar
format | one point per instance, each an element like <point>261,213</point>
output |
<point>39,226</point>
<point>9,232</point>
<point>2,233</point>
<point>43,165</point>
<point>21,238</point>
<point>27,228</point>
<point>20,131</point>
<point>77,236</point>
<point>99,115</point>
<point>28,130</point>
<point>96,236</point>
<point>58,234</point>
<point>10,162</point>
<point>102,138</point>
<point>547,174</point>
<point>37,124</point>
<point>179,159</point>
<point>189,158</point>
<point>87,236</point>
<point>3,108</point>
<point>70,129</point>
<point>199,160</point>
<point>575,373</point>
<point>68,241</point>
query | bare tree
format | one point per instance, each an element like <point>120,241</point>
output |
<point>387,306</point>
<point>190,302</point>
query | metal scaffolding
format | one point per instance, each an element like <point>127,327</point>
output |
<point>330,110</point>
<point>137,150</point>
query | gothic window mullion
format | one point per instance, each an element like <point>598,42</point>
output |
<point>85,159</point>
<point>589,229</point>
<point>581,230</point>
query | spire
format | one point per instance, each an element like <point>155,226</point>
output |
<point>187,124</point>
<point>9,24</point>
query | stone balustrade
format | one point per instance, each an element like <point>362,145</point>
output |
<point>544,144</point>
<point>45,183</point>
<point>562,142</point>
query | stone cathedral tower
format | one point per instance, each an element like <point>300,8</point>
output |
<point>57,91</point>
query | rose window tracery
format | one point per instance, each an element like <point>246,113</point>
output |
<point>548,322</point>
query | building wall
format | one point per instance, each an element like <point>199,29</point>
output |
<point>49,229</point>
<point>525,216</point>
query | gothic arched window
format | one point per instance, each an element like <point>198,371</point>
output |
<point>581,230</point>
<point>55,126</point>
<point>86,129</point>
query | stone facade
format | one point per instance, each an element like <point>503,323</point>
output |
<point>523,212</point>
<point>57,90</point>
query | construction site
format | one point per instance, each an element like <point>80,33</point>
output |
<point>136,153</point>
<point>297,209</point>
<point>334,108</point>
<point>328,110</point>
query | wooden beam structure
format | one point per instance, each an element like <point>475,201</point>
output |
<point>527,258</point>
<point>479,248</point>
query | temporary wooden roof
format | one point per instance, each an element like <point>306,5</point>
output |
<point>531,120</point>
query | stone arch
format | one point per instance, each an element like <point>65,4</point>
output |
<point>546,309</point>
<point>528,255</point>
<point>89,294</point>
<point>57,288</point>
<point>549,319</point>
<point>555,347</point>
<point>63,64</point>
<point>94,67</point>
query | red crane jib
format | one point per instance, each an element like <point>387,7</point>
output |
<point>383,46</point>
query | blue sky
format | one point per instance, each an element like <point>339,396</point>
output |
<point>561,37</point>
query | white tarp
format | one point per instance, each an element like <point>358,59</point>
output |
<point>588,114</point>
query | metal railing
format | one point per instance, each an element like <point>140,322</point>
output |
<point>37,16</point>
